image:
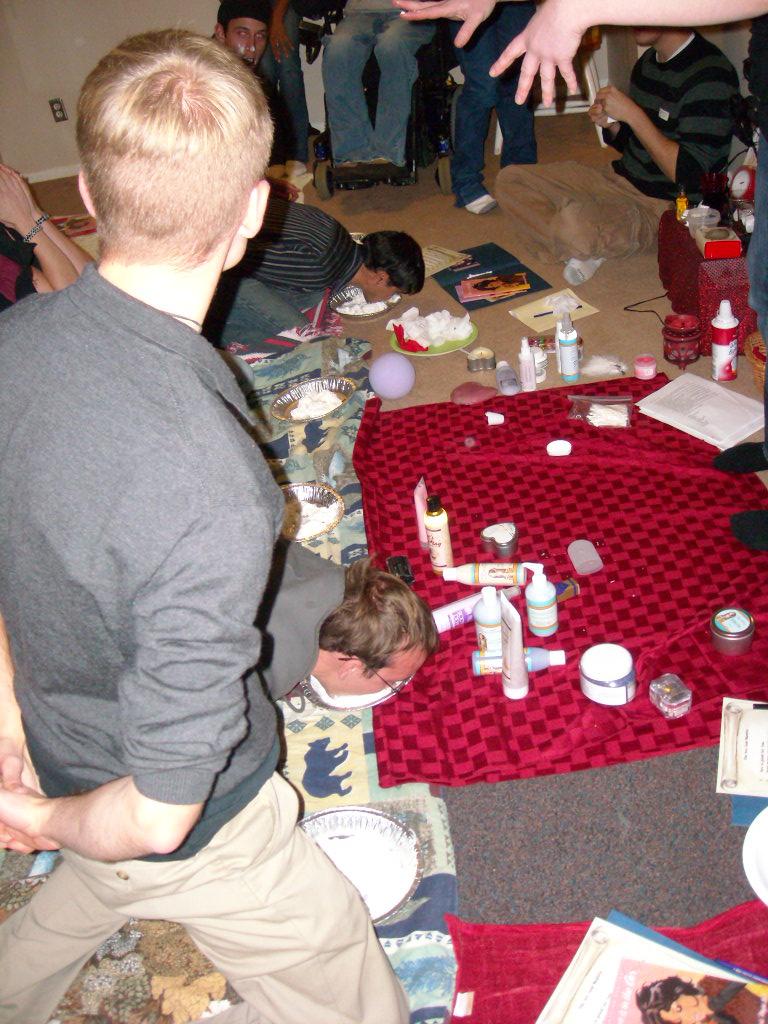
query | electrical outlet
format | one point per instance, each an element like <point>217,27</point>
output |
<point>58,110</point>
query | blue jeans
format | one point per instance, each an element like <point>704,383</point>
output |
<point>394,42</point>
<point>287,79</point>
<point>757,260</point>
<point>481,94</point>
<point>245,313</point>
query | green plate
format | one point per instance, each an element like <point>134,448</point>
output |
<point>436,350</point>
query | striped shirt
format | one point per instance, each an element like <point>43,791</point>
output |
<point>301,249</point>
<point>688,98</point>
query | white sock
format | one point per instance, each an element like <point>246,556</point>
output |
<point>579,271</point>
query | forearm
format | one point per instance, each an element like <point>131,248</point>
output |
<point>78,257</point>
<point>10,715</point>
<point>112,822</point>
<point>585,13</point>
<point>664,151</point>
<point>61,261</point>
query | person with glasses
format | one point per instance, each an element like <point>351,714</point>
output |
<point>357,636</point>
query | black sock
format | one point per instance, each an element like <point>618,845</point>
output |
<point>751,528</point>
<point>744,458</point>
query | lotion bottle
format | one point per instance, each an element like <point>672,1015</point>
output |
<point>496,574</point>
<point>488,622</point>
<point>506,379</point>
<point>541,603</point>
<point>527,366</point>
<point>438,535</point>
<point>536,659</point>
<point>725,343</point>
<point>568,347</point>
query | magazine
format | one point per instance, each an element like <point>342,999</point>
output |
<point>587,991</point>
<point>487,274</point>
<point>644,993</point>
<point>492,287</point>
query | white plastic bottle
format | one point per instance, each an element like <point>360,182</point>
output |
<point>438,535</point>
<point>449,616</point>
<point>568,347</point>
<point>507,380</point>
<point>725,343</point>
<point>488,622</point>
<point>527,366</point>
<point>491,574</point>
<point>541,603</point>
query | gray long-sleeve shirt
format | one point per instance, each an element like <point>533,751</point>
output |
<point>137,522</point>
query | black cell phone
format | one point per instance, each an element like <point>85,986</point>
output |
<point>399,566</point>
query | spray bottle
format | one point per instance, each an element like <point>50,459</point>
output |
<point>725,343</point>
<point>527,366</point>
<point>568,347</point>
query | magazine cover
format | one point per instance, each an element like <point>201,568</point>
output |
<point>489,274</point>
<point>652,994</point>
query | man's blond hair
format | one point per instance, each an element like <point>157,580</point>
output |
<point>173,132</point>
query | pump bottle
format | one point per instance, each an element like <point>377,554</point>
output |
<point>527,366</point>
<point>536,659</point>
<point>438,535</point>
<point>496,574</point>
<point>568,347</point>
<point>541,603</point>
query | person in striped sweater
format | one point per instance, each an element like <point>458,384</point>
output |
<point>673,126</point>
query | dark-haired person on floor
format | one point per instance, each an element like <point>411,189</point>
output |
<point>300,254</point>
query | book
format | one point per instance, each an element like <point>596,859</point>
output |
<point>507,277</point>
<point>595,982</point>
<point>704,409</point>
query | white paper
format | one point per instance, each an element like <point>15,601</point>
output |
<point>742,764</point>
<point>704,409</point>
<point>540,316</point>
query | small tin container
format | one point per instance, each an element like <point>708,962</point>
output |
<point>607,674</point>
<point>670,695</point>
<point>732,630</point>
<point>500,539</point>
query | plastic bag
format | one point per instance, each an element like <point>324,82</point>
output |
<point>601,410</point>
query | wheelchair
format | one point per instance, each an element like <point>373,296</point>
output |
<point>428,134</point>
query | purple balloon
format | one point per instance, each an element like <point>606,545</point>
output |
<point>392,375</point>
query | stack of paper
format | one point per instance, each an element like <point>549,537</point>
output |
<point>704,409</point>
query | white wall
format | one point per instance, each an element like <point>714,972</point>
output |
<point>46,50</point>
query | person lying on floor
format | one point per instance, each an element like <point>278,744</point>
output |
<point>355,635</point>
<point>34,255</point>
<point>300,255</point>
<point>674,126</point>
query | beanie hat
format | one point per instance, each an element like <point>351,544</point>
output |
<point>259,10</point>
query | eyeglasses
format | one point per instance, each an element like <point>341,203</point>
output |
<point>395,687</point>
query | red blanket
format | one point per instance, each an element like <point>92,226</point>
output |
<point>649,500</point>
<point>513,969</point>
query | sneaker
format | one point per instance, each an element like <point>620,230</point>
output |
<point>483,204</point>
<point>295,168</point>
<point>579,271</point>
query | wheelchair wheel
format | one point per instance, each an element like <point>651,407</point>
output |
<point>324,179</point>
<point>443,175</point>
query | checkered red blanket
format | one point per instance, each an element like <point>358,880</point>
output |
<point>649,500</point>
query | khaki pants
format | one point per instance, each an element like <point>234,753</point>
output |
<point>567,210</point>
<point>262,901</point>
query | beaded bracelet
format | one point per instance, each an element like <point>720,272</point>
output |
<point>38,226</point>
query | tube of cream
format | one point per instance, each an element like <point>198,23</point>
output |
<point>448,616</point>
<point>514,674</point>
<point>420,505</point>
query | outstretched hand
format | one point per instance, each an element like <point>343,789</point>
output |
<point>549,41</point>
<point>471,12</point>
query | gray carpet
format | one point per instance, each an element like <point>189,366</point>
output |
<point>651,839</point>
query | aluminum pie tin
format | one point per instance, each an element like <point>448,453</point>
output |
<point>379,855</point>
<point>297,497</point>
<point>368,700</point>
<point>286,402</point>
<point>354,294</point>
